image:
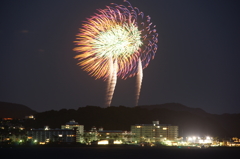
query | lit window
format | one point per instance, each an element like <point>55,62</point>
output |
<point>138,126</point>
<point>164,128</point>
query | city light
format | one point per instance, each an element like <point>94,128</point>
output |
<point>199,140</point>
<point>117,142</point>
<point>103,142</point>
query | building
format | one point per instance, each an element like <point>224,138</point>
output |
<point>107,136</point>
<point>168,132</point>
<point>114,136</point>
<point>154,132</point>
<point>74,125</point>
<point>46,135</point>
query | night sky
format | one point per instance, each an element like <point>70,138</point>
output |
<point>197,62</point>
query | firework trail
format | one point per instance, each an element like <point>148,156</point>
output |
<point>112,81</point>
<point>139,81</point>
<point>107,100</point>
<point>117,41</point>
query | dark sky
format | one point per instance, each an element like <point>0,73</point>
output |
<point>197,63</point>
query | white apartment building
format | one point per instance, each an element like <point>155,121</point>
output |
<point>46,135</point>
<point>154,132</point>
<point>71,125</point>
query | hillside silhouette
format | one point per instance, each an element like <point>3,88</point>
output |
<point>12,110</point>
<point>191,121</point>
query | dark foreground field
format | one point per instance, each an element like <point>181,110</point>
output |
<point>116,153</point>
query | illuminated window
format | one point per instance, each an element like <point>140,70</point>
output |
<point>138,126</point>
<point>164,128</point>
<point>107,133</point>
<point>60,135</point>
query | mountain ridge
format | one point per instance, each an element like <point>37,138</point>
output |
<point>12,110</point>
<point>175,107</point>
<point>191,121</point>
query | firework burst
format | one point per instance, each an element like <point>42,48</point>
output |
<point>117,41</point>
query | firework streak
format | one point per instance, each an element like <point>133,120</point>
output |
<point>117,41</point>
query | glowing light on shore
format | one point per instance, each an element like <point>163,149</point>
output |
<point>103,142</point>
